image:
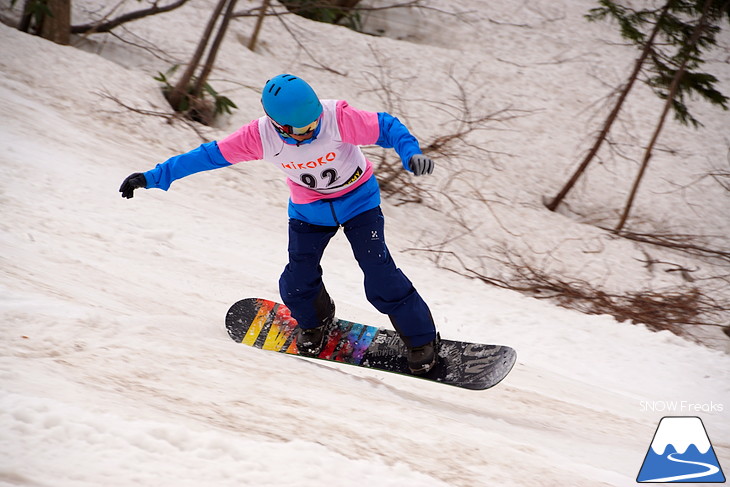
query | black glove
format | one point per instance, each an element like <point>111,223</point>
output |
<point>133,181</point>
<point>420,164</point>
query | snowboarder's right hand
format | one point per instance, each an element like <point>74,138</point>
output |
<point>132,182</point>
<point>420,164</point>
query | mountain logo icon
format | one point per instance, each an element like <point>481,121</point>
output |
<point>681,452</point>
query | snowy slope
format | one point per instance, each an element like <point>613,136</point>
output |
<point>115,368</point>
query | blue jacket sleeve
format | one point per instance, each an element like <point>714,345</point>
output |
<point>206,157</point>
<point>395,135</point>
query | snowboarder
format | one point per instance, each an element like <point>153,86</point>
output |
<point>315,143</point>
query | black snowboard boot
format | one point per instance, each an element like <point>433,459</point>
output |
<point>423,358</point>
<point>310,341</point>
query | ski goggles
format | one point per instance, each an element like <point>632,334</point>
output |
<point>288,130</point>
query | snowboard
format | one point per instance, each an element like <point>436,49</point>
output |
<point>268,325</point>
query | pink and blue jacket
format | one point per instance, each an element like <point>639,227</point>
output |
<point>330,180</point>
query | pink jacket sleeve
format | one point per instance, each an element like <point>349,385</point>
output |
<point>357,127</point>
<point>243,145</point>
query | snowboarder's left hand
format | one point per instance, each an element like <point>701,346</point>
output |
<point>420,164</point>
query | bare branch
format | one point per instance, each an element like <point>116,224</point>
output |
<point>304,48</point>
<point>255,12</point>
<point>677,309</point>
<point>169,116</point>
<point>684,243</point>
<point>100,27</point>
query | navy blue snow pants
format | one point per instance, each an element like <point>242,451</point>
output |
<point>386,287</point>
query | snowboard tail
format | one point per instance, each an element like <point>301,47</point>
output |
<point>268,325</point>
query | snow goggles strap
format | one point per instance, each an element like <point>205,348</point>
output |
<point>288,130</point>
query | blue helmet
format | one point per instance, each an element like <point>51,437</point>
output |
<point>289,100</point>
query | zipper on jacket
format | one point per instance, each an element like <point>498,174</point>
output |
<point>334,215</point>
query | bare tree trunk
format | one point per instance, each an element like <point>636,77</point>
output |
<point>259,22</point>
<point>611,117</point>
<point>213,52</point>
<point>57,26</point>
<point>180,89</point>
<point>27,17</point>
<point>701,25</point>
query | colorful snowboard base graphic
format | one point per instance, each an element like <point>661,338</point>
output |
<point>264,324</point>
<point>680,452</point>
